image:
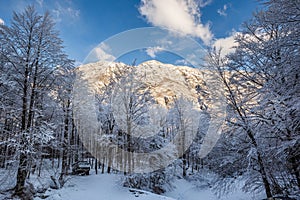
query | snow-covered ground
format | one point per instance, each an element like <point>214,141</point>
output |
<point>185,190</point>
<point>101,186</point>
<point>108,187</point>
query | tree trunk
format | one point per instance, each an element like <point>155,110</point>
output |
<point>64,165</point>
<point>102,166</point>
<point>22,169</point>
<point>129,148</point>
<point>22,174</point>
<point>184,165</point>
<point>261,165</point>
<point>96,167</point>
<point>40,166</point>
<point>109,160</point>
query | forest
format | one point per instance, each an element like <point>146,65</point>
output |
<point>260,140</point>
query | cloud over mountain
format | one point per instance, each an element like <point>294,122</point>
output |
<point>182,16</point>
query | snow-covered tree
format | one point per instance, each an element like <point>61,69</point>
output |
<point>32,53</point>
<point>130,101</point>
<point>261,79</point>
<point>185,117</point>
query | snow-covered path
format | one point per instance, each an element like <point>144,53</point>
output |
<point>96,187</point>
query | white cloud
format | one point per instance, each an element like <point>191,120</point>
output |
<point>203,3</point>
<point>182,16</point>
<point>181,62</point>
<point>152,51</point>
<point>74,13</point>
<point>65,12</point>
<point>222,11</point>
<point>103,53</point>
<point>226,44</point>
<point>1,22</point>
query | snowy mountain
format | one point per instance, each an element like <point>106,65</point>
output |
<point>164,81</point>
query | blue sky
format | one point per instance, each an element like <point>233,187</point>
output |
<point>83,24</point>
